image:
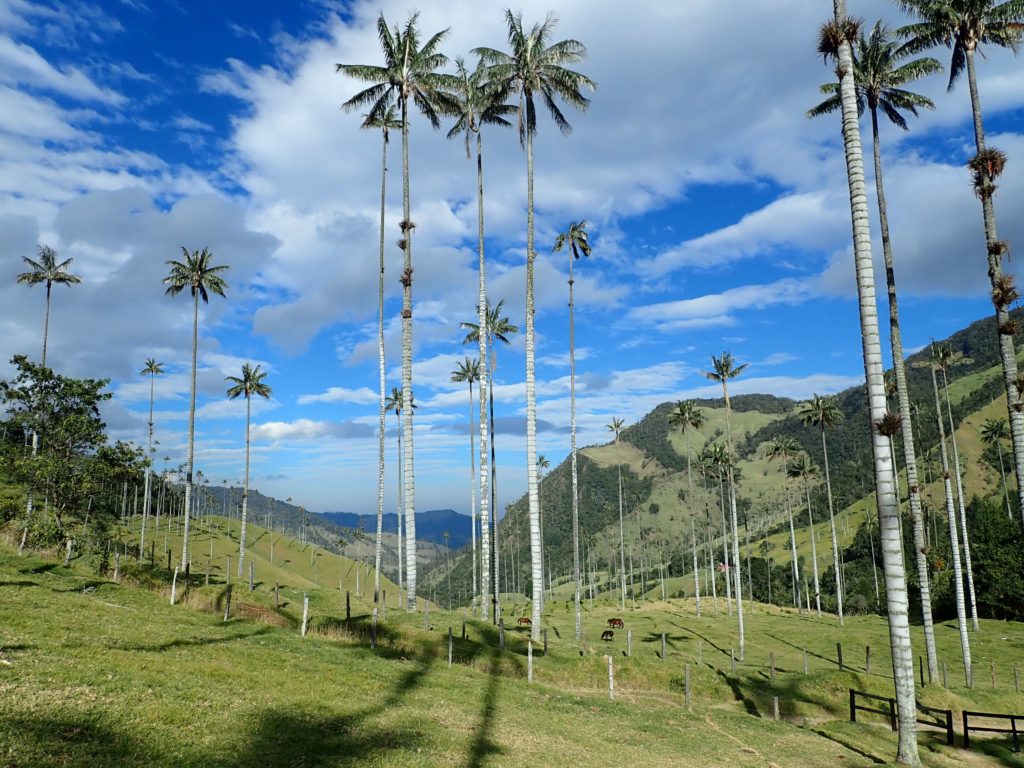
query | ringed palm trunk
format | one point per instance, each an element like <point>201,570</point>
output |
<point>693,528</point>
<point>147,490</point>
<point>725,544</point>
<point>960,505</point>
<point>735,529</point>
<point>410,475</point>
<point>245,490</point>
<point>909,452</point>
<point>472,494</point>
<point>486,384</point>
<point>494,552</point>
<point>399,507</point>
<point>382,378</point>
<point>1007,352</point>
<point>888,504</point>
<point>792,544</point>
<point>190,453</point>
<point>622,541</point>
<point>954,540</point>
<point>814,550</point>
<point>835,540</point>
<point>531,421</point>
<point>1002,475</point>
<point>575,475</point>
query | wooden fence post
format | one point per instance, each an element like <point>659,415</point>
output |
<point>662,646</point>
<point>993,665</point>
<point>920,668</point>
<point>686,685</point>
<point>174,584</point>
<point>611,679</point>
<point>373,630</point>
<point>227,603</point>
<point>806,667</point>
<point>629,642</point>
<point>250,576</point>
<point>117,566</point>
<point>529,661</point>
<point>867,659</point>
<point>545,642</point>
<point>732,660</point>
<point>501,635</point>
<point>305,613</point>
<point>207,571</point>
<point>945,681</point>
<point>348,606</point>
<point>277,595</point>
<point>839,655</point>
<point>853,706</point>
<point>775,707</point>
<point>451,644</point>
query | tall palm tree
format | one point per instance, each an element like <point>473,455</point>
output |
<point>197,273</point>
<point>616,427</point>
<point>152,369</point>
<point>722,370</point>
<point>945,358</point>
<point>576,240</point>
<point>409,75</point>
<point>476,103</point>
<point>248,384</point>
<point>836,41</point>
<point>823,412</point>
<point>542,466</point>
<point>469,371</point>
<point>881,72</point>
<point>993,432</point>
<point>781,448</point>
<point>688,416</point>
<point>49,272</point>
<point>496,326</point>
<point>394,403</point>
<point>803,469</point>
<point>717,458</point>
<point>536,67</point>
<point>964,26</point>
<point>385,122</point>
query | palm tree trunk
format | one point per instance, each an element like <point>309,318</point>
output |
<point>693,528</point>
<point>888,504</point>
<point>399,505</point>
<point>907,426</point>
<point>495,572</point>
<point>1002,475</point>
<point>792,545</point>
<point>485,385</point>
<point>735,523</point>
<point>472,491</point>
<point>46,321</point>
<point>832,527</point>
<point>381,374</point>
<point>245,490</point>
<point>1007,352</point>
<point>190,453</point>
<point>622,549</point>
<point>147,490</point>
<point>814,549</point>
<point>725,543</point>
<point>960,505</point>
<point>410,475</point>
<point>958,574</point>
<point>574,467</point>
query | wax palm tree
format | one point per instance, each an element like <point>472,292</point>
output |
<point>409,75</point>
<point>197,273</point>
<point>803,469</point>
<point>542,467</point>
<point>964,26</point>
<point>723,369</point>
<point>945,358</point>
<point>881,72</point>
<point>248,384</point>
<point>152,369</point>
<point>385,122</point>
<point>577,241</point>
<point>836,41</point>
<point>536,67</point>
<point>476,103</point>
<point>468,371</point>
<point>993,432</point>
<point>688,416</point>
<point>394,403</point>
<point>717,460</point>
<point>616,428</point>
<point>782,448</point>
<point>47,271</point>
<point>496,326</point>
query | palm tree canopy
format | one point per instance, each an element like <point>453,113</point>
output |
<point>468,370</point>
<point>477,102</point>
<point>47,269</point>
<point>394,401</point>
<point>576,238</point>
<point>537,67</point>
<point>782,447</point>
<point>962,25</point>
<point>385,121</point>
<point>821,411</point>
<point>686,415</point>
<point>250,383</point>
<point>879,73</point>
<point>542,462</point>
<point>616,427</point>
<point>801,467</point>
<point>994,430</point>
<point>498,327</point>
<point>724,368</point>
<point>409,73</point>
<point>152,368</point>
<point>197,274</point>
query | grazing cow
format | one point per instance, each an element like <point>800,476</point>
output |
<point>616,623</point>
<point>524,621</point>
<point>608,635</point>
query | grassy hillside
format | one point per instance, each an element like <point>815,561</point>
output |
<point>95,673</point>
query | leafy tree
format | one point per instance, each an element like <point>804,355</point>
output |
<point>803,468</point>
<point>49,272</point>
<point>993,432</point>
<point>409,74</point>
<point>999,561</point>
<point>535,68</point>
<point>197,273</point>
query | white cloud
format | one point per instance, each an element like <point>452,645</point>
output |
<point>307,429</point>
<point>360,396</point>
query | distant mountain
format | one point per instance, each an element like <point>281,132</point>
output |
<point>430,525</point>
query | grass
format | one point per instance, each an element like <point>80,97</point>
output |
<point>98,673</point>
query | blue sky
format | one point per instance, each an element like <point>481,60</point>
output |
<point>718,213</point>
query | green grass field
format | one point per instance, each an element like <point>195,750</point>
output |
<point>98,673</point>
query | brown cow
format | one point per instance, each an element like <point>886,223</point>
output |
<point>524,621</point>
<point>608,635</point>
<point>616,623</point>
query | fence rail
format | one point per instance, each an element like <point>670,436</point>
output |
<point>855,707</point>
<point>1013,730</point>
<point>935,718</point>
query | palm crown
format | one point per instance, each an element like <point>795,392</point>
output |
<point>686,415</point>
<point>498,327</point>
<point>250,383</point>
<point>467,371</point>
<point>48,270</point>
<point>197,274</point>
<point>821,411</point>
<point>152,368</point>
<point>476,102</point>
<point>576,238</point>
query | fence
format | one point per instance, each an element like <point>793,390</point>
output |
<point>987,729</point>
<point>935,718</point>
<point>855,707</point>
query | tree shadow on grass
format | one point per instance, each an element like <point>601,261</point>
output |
<point>483,746</point>
<point>185,642</point>
<point>73,739</point>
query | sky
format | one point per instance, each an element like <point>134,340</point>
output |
<point>719,219</point>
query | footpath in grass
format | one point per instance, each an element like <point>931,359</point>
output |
<point>105,674</point>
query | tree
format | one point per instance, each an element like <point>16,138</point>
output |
<point>152,369</point>
<point>722,370</point>
<point>197,273</point>
<point>250,383</point>
<point>47,271</point>
<point>409,75</point>
<point>993,432</point>
<point>836,42</point>
<point>469,371</point>
<point>616,427</point>
<point>577,241</point>
<point>803,468</point>
<point>782,448</point>
<point>881,73</point>
<point>385,122</point>
<point>536,67</point>
<point>496,326</point>
<point>688,416</point>
<point>964,26</point>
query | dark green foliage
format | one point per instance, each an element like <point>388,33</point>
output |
<point>997,550</point>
